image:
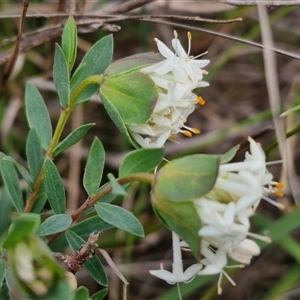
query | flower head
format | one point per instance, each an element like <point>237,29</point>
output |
<point>175,78</point>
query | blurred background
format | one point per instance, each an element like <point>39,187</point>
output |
<point>237,106</point>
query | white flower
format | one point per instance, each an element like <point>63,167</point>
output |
<point>177,275</point>
<point>219,225</point>
<point>214,262</point>
<point>175,78</point>
<point>244,251</point>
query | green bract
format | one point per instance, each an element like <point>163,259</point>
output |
<point>129,95</point>
<point>177,184</point>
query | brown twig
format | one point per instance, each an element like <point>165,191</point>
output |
<point>14,54</point>
<point>126,6</point>
<point>263,2</point>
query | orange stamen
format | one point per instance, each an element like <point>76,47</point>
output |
<point>280,185</point>
<point>278,193</point>
<point>200,100</point>
<point>196,130</point>
<point>186,133</point>
<point>189,35</point>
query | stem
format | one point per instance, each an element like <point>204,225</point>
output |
<point>90,201</point>
<point>63,118</point>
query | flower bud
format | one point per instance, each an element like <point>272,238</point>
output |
<point>33,267</point>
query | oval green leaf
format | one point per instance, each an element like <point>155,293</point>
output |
<point>21,226</point>
<point>54,224</point>
<point>100,295</point>
<point>94,167</point>
<point>54,187</point>
<point>34,154</point>
<point>141,160</point>
<point>11,181</point>
<point>61,76</point>
<point>120,218</point>
<point>72,138</point>
<point>37,115</point>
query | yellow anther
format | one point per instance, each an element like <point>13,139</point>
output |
<point>200,100</point>
<point>186,133</point>
<point>278,193</point>
<point>204,72</point>
<point>175,34</point>
<point>280,185</point>
<point>172,137</point>
<point>196,130</point>
<point>189,35</point>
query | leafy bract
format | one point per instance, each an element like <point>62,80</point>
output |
<point>177,184</point>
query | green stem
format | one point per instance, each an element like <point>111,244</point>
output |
<point>90,201</point>
<point>63,118</point>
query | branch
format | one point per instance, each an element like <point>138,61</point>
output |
<point>126,7</point>
<point>265,2</point>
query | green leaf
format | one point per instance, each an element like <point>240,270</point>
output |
<point>37,115</point>
<point>141,160</point>
<point>133,95</point>
<point>6,206</point>
<point>54,224</point>
<point>94,167</point>
<point>177,184</point>
<point>100,295</point>
<point>229,155</point>
<point>82,293</point>
<point>96,60</point>
<point>4,292</point>
<point>120,218</point>
<point>83,229</point>
<point>72,138</point>
<point>21,226</point>
<point>2,271</point>
<point>117,189</point>
<point>21,169</point>
<point>69,42</point>
<point>11,180</point>
<point>54,188</point>
<point>93,265</point>
<point>61,76</point>
<point>34,154</point>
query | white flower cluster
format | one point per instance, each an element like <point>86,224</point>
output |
<point>175,77</point>
<point>225,212</point>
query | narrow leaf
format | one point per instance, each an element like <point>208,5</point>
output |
<point>141,160</point>
<point>96,60</point>
<point>2,270</point>
<point>93,265</point>
<point>94,167</point>
<point>54,188</point>
<point>11,181</point>
<point>34,154</point>
<point>117,189</point>
<point>82,293</point>
<point>22,225</point>
<point>100,295</point>
<point>69,42</point>
<point>21,169</point>
<point>72,138</point>
<point>6,206</point>
<point>120,218</point>
<point>54,224</point>
<point>37,115</point>
<point>61,76</point>
<point>229,155</point>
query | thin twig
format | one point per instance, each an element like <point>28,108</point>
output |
<point>263,2</point>
<point>126,6</point>
<point>14,54</point>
